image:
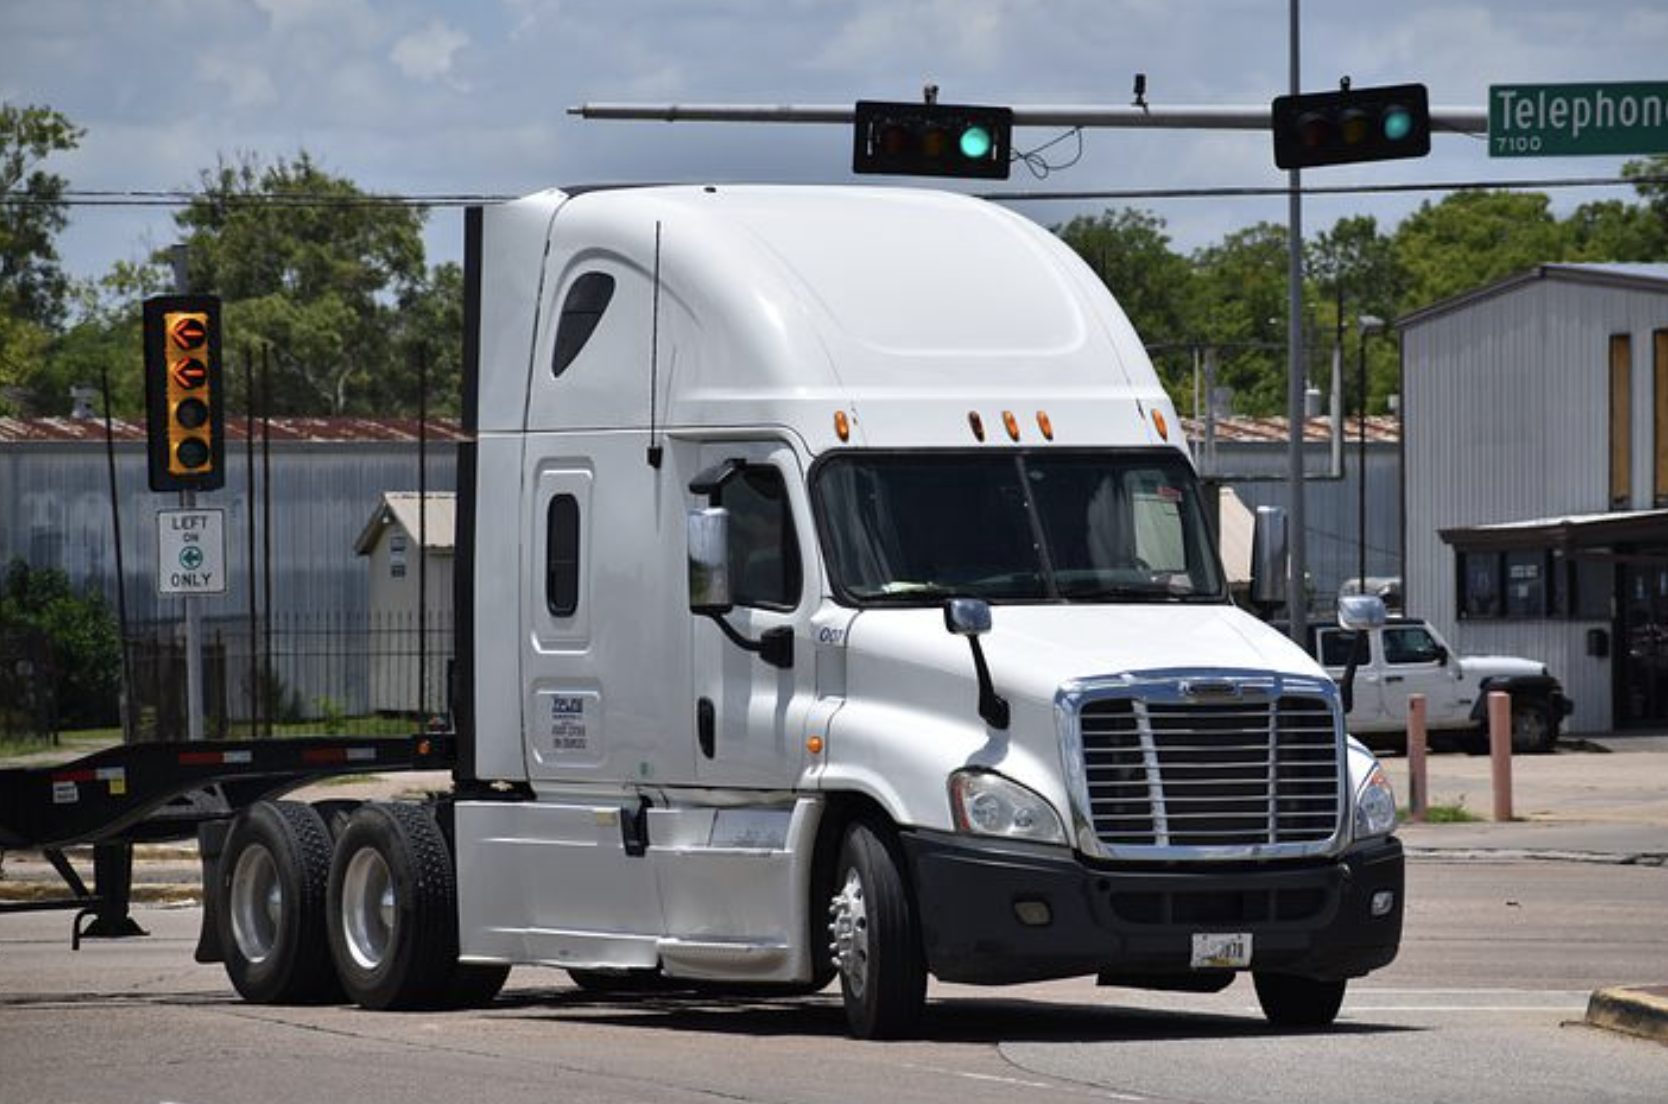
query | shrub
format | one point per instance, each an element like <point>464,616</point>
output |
<point>83,667</point>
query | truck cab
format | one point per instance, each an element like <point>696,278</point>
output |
<point>1408,656</point>
<point>836,600</point>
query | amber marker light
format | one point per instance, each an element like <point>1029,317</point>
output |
<point>1011,424</point>
<point>977,424</point>
<point>1161,425</point>
<point>1044,424</point>
<point>814,745</point>
<point>842,426</point>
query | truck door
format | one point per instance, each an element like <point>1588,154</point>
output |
<point>748,717</point>
<point>1414,663</point>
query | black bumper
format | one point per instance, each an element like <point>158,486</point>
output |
<point>1311,918</point>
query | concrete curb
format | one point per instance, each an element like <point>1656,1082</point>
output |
<point>1639,1011</point>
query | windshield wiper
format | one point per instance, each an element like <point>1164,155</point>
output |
<point>1158,591</point>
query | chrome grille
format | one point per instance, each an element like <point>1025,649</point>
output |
<point>1253,772</point>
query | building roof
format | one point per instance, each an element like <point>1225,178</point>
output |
<point>284,429</point>
<point>1381,429</point>
<point>1569,533</point>
<point>439,527</point>
<point>1631,277</point>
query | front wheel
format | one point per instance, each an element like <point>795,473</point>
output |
<point>1533,729</point>
<point>1291,1001</point>
<point>876,937</point>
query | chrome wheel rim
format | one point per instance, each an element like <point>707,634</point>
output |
<point>848,926</point>
<point>257,903</point>
<point>368,908</point>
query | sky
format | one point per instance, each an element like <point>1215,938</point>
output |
<point>434,97</point>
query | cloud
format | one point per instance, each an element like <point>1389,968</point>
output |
<point>426,54</point>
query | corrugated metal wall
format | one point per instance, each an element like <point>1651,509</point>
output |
<point>55,512</point>
<point>1506,406</point>
<point>1331,507</point>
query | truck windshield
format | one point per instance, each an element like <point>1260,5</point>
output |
<point>1050,526</point>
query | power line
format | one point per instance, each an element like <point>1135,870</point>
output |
<point>138,198</point>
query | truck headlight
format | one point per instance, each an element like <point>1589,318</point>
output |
<point>1375,805</point>
<point>989,805</point>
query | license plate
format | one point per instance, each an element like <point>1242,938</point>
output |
<point>1221,950</point>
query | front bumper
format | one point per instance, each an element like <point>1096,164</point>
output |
<point>1311,918</point>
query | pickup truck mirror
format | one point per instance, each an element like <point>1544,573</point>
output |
<point>1268,556</point>
<point>709,561</point>
<point>1360,612</point>
<point>1441,656</point>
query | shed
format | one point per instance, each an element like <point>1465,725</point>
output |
<point>409,543</point>
<point>1536,457</point>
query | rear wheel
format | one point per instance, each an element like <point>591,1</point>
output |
<point>876,937</point>
<point>1291,1001</point>
<point>273,876</point>
<point>392,909</point>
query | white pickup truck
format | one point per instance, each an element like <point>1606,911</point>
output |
<point>1407,657</point>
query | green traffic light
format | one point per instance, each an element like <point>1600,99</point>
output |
<point>1398,123</point>
<point>975,143</point>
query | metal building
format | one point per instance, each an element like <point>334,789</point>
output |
<point>409,545</point>
<point>1536,445</point>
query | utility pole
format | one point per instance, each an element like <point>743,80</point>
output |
<point>1297,598</point>
<point>178,257</point>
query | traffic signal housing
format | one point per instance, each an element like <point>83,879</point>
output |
<point>1350,125</point>
<point>185,417</point>
<point>932,139</point>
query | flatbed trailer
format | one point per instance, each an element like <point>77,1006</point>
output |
<point>171,790</point>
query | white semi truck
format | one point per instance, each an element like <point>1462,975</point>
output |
<point>835,600</point>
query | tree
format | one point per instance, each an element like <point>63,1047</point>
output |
<point>82,660</point>
<point>1474,238</point>
<point>32,212</point>
<point>1242,286</point>
<point>314,267</point>
<point>1613,230</point>
<point>32,286</point>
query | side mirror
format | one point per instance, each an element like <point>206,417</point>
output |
<point>1268,556</point>
<point>1360,612</point>
<point>709,561</point>
<point>967,616</point>
<point>1441,656</point>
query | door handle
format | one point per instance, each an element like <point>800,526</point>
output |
<point>706,725</point>
<point>1392,678</point>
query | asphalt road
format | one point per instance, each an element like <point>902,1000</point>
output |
<point>1483,1006</point>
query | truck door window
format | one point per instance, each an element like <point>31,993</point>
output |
<point>581,311</point>
<point>764,551</point>
<point>561,544</point>
<point>1335,647</point>
<point>1409,644</point>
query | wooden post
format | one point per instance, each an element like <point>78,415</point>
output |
<point>1500,751</point>
<point>1418,794</point>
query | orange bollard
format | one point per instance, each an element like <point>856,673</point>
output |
<point>1500,751</point>
<point>1418,794</point>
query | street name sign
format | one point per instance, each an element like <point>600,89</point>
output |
<point>191,551</point>
<point>1577,120</point>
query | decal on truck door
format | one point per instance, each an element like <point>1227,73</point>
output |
<point>569,731</point>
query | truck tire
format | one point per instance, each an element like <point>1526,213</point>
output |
<point>1291,1001</point>
<point>273,875</point>
<point>876,937</point>
<point>1534,728</point>
<point>392,909</point>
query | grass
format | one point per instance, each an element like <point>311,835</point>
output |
<point>1444,814</point>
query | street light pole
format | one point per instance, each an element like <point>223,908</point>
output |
<point>1365,324</point>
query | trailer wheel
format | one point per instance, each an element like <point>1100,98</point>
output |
<point>876,937</point>
<point>273,876</point>
<point>1291,1001</point>
<point>392,909</point>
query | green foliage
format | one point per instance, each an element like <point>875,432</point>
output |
<point>31,284</point>
<point>84,663</point>
<point>1242,283</point>
<point>1475,238</point>
<point>323,283</point>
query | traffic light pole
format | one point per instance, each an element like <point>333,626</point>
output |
<point>193,648</point>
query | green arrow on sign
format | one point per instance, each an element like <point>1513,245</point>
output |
<point>1577,120</point>
<point>191,557</point>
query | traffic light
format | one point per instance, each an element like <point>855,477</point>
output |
<point>932,139</point>
<point>184,417</point>
<point>1353,124</point>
